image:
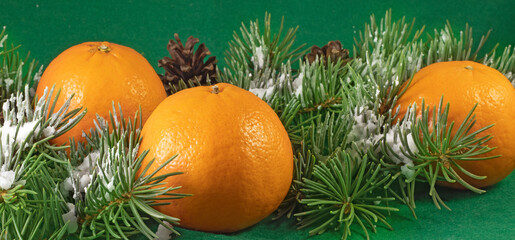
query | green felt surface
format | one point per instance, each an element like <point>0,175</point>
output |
<point>46,28</point>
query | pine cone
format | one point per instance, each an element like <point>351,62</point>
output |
<point>332,50</point>
<point>187,65</point>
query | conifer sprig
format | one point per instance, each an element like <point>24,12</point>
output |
<point>430,146</point>
<point>344,191</point>
<point>303,164</point>
<point>118,199</point>
<point>30,203</point>
<point>256,53</point>
<point>505,63</point>
<point>16,72</point>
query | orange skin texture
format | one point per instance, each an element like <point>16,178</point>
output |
<point>234,152</point>
<point>99,78</point>
<point>463,84</point>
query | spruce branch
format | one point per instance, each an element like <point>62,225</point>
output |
<point>16,72</point>
<point>319,85</point>
<point>328,135</point>
<point>388,35</point>
<point>303,169</point>
<point>388,68</point>
<point>427,147</point>
<point>445,46</point>
<point>255,52</point>
<point>504,63</point>
<point>110,198</point>
<point>313,101</point>
<point>32,165</point>
<point>342,192</point>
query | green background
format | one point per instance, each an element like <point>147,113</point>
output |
<point>47,28</point>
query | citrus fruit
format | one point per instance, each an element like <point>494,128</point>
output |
<point>98,74</point>
<point>235,155</point>
<point>463,84</point>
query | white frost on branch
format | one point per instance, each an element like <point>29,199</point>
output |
<point>511,77</point>
<point>258,58</point>
<point>407,171</point>
<point>265,91</point>
<point>262,92</point>
<point>163,233</point>
<point>48,131</point>
<point>8,82</point>
<point>7,178</point>
<point>82,175</point>
<point>3,40</point>
<point>393,139</point>
<point>71,217</point>
<point>365,130</point>
<point>9,135</point>
<point>297,84</point>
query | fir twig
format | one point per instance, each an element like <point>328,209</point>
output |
<point>16,72</point>
<point>255,53</point>
<point>343,191</point>
<point>117,199</point>
<point>28,159</point>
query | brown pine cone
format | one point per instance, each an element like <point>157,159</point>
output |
<point>331,51</point>
<point>187,65</point>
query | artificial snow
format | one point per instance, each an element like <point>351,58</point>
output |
<point>259,57</point>
<point>81,175</point>
<point>163,233</point>
<point>25,130</point>
<point>406,171</point>
<point>84,170</point>
<point>364,131</point>
<point>8,82</point>
<point>110,185</point>
<point>8,135</point>
<point>297,84</point>
<point>392,139</point>
<point>84,182</point>
<point>265,91</point>
<point>262,92</point>
<point>282,79</point>
<point>7,178</point>
<point>71,217</point>
<point>3,40</point>
<point>67,185</point>
<point>48,131</point>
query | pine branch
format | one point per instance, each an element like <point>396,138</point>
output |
<point>427,150</point>
<point>257,53</point>
<point>504,63</point>
<point>388,36</point>
<point>445,46</point>
<point>318,83</point>
<point>16,72</point>
<point>304,163</point>
<point>31,165</point>
<point>115,201</point>
<point>344,191</point>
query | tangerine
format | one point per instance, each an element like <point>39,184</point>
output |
<point>234,152</point>
<point>463,84</point>
<point>98,74</point>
